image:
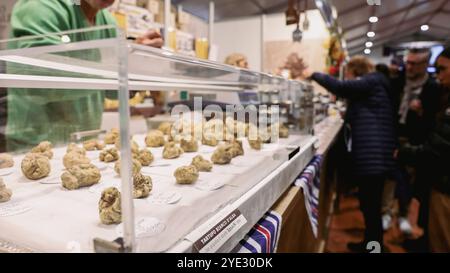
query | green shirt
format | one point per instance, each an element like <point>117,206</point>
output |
<point>35,115</point>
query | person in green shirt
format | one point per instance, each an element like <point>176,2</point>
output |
<point>36,115</point>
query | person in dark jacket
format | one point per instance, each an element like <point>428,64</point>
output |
<point>433,171</point>
<point>415,95</point>
<point>372,143</point>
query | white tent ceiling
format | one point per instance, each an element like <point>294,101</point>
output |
<point>399,20</point>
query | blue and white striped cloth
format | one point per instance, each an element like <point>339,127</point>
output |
<point>264,236</point>
<point>309,181</point>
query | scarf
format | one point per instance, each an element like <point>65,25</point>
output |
<point>412,91</point>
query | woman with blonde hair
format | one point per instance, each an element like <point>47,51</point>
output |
<point>372,139</point>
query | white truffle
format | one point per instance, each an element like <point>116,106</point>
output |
<point>189,146</point>
<point>93,144</point>
<point>145,157</point>
<point>78,176</point>
<point>222,155</point>
<point>142,186</point>
<point>202,164</point>
<point>109,155</point>
<point>5,193</point>
<point>186,174</point>
<point>35,166</point>
<point>154,138</point>
<point>74,148</point>
<point>165,127</point>
<point>74,158</point>
<point>6,161</point>
<point>112,136</point>
<point>44,148</point>
<point>109,206</point>
<point>171,151</point>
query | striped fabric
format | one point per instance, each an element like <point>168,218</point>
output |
<point>263,237</point>
<point>309,181</point>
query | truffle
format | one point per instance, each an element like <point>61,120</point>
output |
<point>222,155</point>
<point>44,148</point>
<point>35,166</point>
<point>283,131</point>
<point>189,146</point>
<point>154,138</point>
<point>74,158</point>
<point>93,144</point>
<point>136,168</point>
<point>109,155</point>
<point>186,175</point>
<point>112,136</point>
<point>210,140</point>
<point>255,144</point>
<point>74,148</point>
<point>171,151</point>
<point>144,156</point>
<point>78,176</point>
<point>235,147</point>
<point>165,128</point>
<point>109,206</point>
<point>142,186</point>
<point>6,161</point>
<point>5,193</point>
<point>202,164</point>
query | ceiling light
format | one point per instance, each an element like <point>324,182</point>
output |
<point>373,19</point>
<point>369,44</point>
<point>370,34</point>
<point>424,27</point>
<point>367,51</point>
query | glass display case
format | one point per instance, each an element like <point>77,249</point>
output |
<point>77,188</point>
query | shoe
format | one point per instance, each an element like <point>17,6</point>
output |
<point>386,220</point>
<point>405,226</point>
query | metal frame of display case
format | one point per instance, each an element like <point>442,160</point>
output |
<point>138,68</point>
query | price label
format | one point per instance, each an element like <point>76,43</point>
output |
<point>144,227</point>
<point>11,209</point>
<point>7,171</point>
<point>209,185</point>
<point>162,198</point>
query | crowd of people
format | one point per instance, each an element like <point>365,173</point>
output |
<point>397,132</point>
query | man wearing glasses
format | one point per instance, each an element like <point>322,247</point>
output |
<point>417,106</point>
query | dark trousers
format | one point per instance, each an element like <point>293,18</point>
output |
<point>370,194</point>
<point>403,189</point>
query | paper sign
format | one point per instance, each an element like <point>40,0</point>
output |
<point>209,185</point>
<point>7,171</point>
<point>214,238</point>
<point>11,209</point>
<point>144,227</point>
<point>162,198</point>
